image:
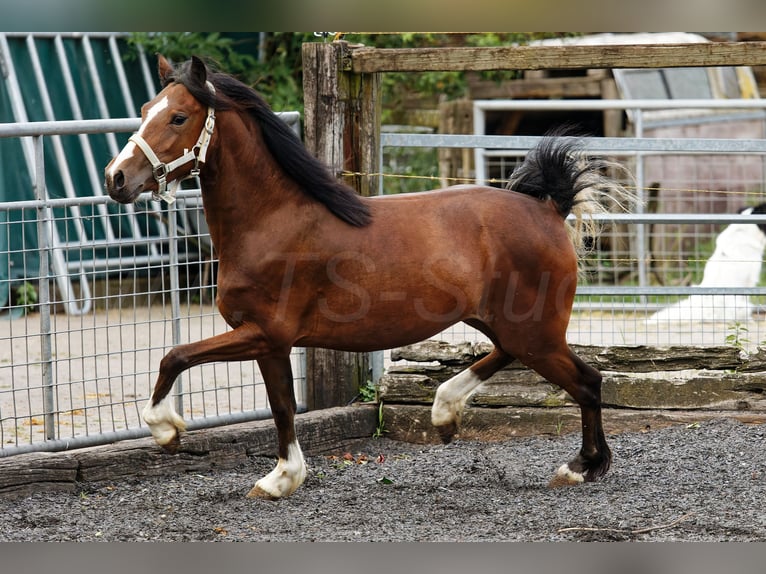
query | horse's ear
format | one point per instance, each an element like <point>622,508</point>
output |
<point>164,69</point>
<point>198,71</point>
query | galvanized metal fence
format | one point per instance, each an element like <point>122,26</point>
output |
<point>89,317</point>
<point>653,257</point>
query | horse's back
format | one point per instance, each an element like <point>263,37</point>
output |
<point>474,217</point>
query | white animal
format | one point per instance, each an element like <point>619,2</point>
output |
<point>736,262</point>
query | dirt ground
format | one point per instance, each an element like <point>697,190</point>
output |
<point>692,482</point>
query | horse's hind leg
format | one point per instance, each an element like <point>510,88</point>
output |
<point>451,395</point>
<point>583,383</point>
<point>290,471</point>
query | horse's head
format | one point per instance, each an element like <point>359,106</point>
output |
<point>173,138</point>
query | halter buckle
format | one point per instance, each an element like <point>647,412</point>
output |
<point>160,171</point>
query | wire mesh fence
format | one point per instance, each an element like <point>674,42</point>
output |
<point>693,182</point>
<point>69,379</point>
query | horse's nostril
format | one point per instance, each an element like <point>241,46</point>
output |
<point>119,180</point>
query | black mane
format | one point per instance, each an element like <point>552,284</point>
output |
<point>313,177</point>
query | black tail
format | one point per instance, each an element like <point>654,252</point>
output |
<point>557,170</point>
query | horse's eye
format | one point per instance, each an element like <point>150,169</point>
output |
<point>178,120</point>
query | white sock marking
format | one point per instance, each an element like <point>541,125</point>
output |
<point>287,476</point>
<point>163,420</point>
<point>569,475</point>
<point>451,396</point>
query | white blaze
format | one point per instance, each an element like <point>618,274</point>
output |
<point>128,151</point>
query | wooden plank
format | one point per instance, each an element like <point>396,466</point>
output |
<point>585,87</point>
<point>39,471</point>
<point>634,358</point>
<point>659,390</point>
<point>444,352</point>
<point>369,60</point>
<point>201,450</point>
<point>646,359</point>
<point>333,378</point>
<point>700,390</point>
<point>407,388</point>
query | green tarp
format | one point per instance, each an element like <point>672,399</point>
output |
<point>18,234</point>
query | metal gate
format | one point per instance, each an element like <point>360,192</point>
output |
<point>53,77</point>
<point>93,294</point>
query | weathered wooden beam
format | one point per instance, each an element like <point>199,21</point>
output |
<point>636,358</point>
<point>662,390</point>
<point>201,450</point>
<point>371,60</point>
<point>585,87</point>
<point>342,128</point>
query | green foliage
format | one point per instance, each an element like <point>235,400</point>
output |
<point>380,430</point>
<point>737,336</point>
<point>26,296</point>
<point>179,46</point>
<point>272,66</point>
<point>369,392</point>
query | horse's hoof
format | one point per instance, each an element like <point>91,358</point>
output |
<point>447,432</point>
<point>258,492</point>
<point>173,446</point>
<point>566,477</point>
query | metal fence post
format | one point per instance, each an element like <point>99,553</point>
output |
<point>44,222</point>
<point>641,237</point>
<point>175,295</point>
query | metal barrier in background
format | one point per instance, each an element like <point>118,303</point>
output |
<point>67,76</point>
<point>654,257</point>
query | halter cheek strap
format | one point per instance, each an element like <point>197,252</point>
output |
<point>167,190</point>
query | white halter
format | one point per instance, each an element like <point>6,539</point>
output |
<point>196,154</point>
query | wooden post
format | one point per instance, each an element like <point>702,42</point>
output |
<point>342,128</point>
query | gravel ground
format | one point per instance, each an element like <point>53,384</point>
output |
<point>704,482</point>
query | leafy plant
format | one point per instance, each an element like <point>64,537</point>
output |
<point>369,392</point>
<point>737,336</point>
<point>380,430</point>
<point>271,63</point>
<point>26,296</point>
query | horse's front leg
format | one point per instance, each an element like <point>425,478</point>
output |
<point>243,343</point>
<point>290,471</point>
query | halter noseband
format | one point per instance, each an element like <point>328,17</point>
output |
<point>197,153</point>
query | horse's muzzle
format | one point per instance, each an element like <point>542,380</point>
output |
<point>116,187</point>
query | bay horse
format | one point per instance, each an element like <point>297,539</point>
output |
<point>305,261</point>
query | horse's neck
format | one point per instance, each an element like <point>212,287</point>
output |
<point>242,185</point>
